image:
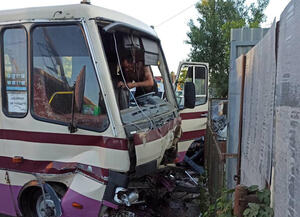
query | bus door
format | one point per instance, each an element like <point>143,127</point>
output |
<point>193,119</point>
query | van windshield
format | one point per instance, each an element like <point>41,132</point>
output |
<point>139,77</point>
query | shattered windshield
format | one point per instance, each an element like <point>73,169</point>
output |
<point>139,76</point>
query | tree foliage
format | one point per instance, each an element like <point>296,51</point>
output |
<point>210,35</point>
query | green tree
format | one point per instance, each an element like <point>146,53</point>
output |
<point>210,35</point>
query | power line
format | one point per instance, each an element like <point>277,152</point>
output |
<point>175,15</point>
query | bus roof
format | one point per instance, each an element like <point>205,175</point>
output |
<point>70,12</point>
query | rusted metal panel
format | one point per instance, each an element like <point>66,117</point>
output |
<point>242,70</point>
<point>287,139</point>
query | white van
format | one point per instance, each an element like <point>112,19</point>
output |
<point>71,141</point>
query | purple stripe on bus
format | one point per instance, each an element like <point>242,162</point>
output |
<point>65,139</point>
<point>90,206</point>
<point>8,198</point>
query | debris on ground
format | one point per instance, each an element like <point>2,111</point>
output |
<point>219,119</point>
<point>175,191</point>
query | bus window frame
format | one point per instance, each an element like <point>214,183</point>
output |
<point>63,23</point>
<point>2,62</point>
<point>206,83</point>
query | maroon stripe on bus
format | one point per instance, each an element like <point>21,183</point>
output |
<point>52,167</point>
<point>192,115</point>
<point>156,134</point>
<point>65,139</point>
<point>192,135</point>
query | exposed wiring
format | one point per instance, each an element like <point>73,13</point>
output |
<point>125,83</point>
<point>137,127</point>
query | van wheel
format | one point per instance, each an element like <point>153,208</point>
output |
<point>45,207</point>
<point>37,206</point>
<point>33,203</point>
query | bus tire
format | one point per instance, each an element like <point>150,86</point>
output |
<point>28,201</point>
<point>31,199</point>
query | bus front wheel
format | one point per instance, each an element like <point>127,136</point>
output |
<point>34,204</point>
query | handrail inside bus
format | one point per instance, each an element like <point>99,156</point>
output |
<point>59,93</point>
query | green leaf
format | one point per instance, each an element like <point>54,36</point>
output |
<point>264,196</point>
<point>269,211</point>
<point>260,196</point>
<point>253,206</point>
<point>229,191</point>
<point>246,212</point>
<point>209,35</point>
<point>219,205</point>
<point>254,213</point>
<point>253,188</point>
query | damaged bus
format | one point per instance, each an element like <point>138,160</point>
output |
<point>72,142</point>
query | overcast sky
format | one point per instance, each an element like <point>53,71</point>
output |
<point>172,32</point>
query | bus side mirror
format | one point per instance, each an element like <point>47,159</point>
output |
<point>189,95</point>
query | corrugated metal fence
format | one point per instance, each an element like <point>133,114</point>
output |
<point>242,40</point>
<point>270,134</point>
<point>258,112</point>
<point>287,117</point>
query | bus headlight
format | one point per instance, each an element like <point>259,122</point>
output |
<point>123,196</point>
